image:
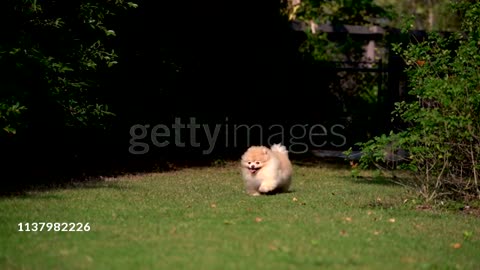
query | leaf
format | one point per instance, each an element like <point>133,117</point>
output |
<point>456,245</point>
<point>132,5</point>
<point>110,33</point>
<point>111,63</point>
<point>14,51</point>
<point>65,69</point>
<point>10,130</point>
<point>467,234</point>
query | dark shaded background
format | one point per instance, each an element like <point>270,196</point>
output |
<point>213,61</point>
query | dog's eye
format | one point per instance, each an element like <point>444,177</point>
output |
<point>257,162</point>
<point>249,162</point>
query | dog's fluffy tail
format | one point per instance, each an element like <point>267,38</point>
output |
<point>279,148</point>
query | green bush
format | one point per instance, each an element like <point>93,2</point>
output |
<point>441,134</point>
<point>52,55</point>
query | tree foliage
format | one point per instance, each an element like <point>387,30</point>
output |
<point>430,15</point>
<point>335,13</point>
<point>52,56</point>
<point>337,55</point>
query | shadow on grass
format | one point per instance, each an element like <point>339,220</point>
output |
<point>379,180</point>
<point>277,192</point>
<point>27,189</point>
<point>307,160</point>
<point>22,178</point>
<point>41,196</point>
<point>42,176</point>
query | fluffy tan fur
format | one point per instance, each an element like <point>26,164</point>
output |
<point>266,170</point>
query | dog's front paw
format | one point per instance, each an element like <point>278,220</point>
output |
<point>266,187</point>
<point>253,193</point>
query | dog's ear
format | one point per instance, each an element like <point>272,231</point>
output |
<point>265,151</point>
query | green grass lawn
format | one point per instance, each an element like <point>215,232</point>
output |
<point>200,218</point>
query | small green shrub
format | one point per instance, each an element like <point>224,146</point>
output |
<point>441,135</point>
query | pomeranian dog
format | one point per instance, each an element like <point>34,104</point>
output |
<point>266,170</point>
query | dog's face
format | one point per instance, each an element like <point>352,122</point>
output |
<point>255,158</point>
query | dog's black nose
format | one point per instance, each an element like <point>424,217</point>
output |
<point>252,167</point>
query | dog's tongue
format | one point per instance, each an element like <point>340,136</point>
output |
<point>252,170</point>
